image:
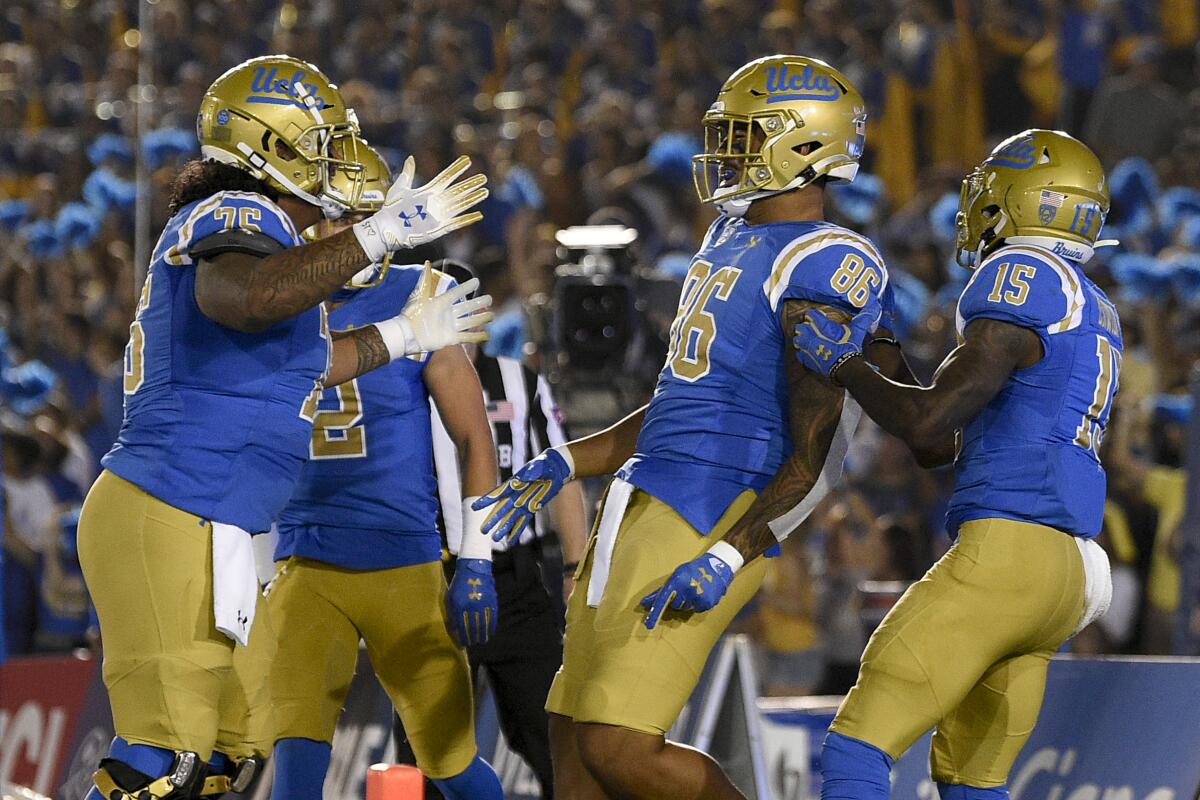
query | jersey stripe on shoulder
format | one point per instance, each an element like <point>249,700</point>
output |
<point>271,206</point>
<point>178,256</point>
<point>806,245</point>
<point>1071,288</point>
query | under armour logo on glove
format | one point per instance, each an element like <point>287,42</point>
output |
<point>419,214</point>
<point>685,589</point>
<point>471,602</point>
<point>441,206</point>
<point>824,344</point>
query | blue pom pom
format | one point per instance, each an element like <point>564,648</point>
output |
<point>110,147</point>
<point>1134,189</point>
<point>941,218</point>
<point>78,224</point>
<point>167,144</point>
<point>861,200</point>
<point>1173,408</point>
<point>1140,276</point>
<point>41,239</point>
<point>671,155</point>
<point>13,213</point>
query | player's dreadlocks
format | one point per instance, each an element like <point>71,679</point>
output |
<point>202,178</point>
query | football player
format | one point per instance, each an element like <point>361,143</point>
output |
<point>226,360</point>
<point>359,552</point>
<point>1027,394</point>
<point>737,445</point>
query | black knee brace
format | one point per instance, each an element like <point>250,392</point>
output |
<point>237,777</point>
<point>116,780</point>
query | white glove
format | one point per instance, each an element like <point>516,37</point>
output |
<point>430,322</point>
<point>412,217</point>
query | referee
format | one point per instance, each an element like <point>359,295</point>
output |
<point>525,652</point>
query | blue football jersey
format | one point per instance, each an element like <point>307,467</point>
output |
<point>368,496</point>
<point>217,422</point>
<point>1032,453</point>
<point>718,422</point>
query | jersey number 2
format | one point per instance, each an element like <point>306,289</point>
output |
<point>695,327</point>
<point>336,431</point>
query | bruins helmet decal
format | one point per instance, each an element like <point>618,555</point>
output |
<point>283,121</point>
<point>764,115</point>
<point>1040,187</point>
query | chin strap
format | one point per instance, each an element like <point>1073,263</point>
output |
<point>739,205</point>
<point>330,208</point>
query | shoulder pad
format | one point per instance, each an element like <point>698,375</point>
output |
<point>252,216</point>
<point>832,265</point>
<point>1024,286</point>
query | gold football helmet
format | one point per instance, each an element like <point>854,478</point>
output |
<point>284,122</point>
<point>764,114</point>
<point>371,180</point>
<point>1040,187</point>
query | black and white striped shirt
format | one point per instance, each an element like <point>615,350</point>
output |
<point>524,420</point>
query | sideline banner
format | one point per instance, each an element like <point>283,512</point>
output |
<point>1110,728</point>
<point>41,704</point>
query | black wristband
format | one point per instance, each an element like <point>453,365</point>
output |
<point>570,567</point>
<point>841,362</point>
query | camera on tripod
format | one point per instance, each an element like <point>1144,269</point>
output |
<point>595,308</point>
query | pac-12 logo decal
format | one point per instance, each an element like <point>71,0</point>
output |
<point>1049,205</point>
<point>223,116</point>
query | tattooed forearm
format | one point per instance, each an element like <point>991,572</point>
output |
<point>355,352</point>
<point>815,406</point>
<point>965,382</point>
<point>251,294</point>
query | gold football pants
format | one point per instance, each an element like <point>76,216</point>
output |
<point>966,650</point>
<point>614,670</point>
<point>322,611</point>
<point>174,681</point>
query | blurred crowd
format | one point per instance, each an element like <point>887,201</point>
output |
<point>586,111</point>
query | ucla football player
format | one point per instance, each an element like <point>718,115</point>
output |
<point>226,360</point>
<point>737,445</point>
<point>1028,394</point>
<point>359,552</point>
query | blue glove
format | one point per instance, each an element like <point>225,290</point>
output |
<point>522,496</point>
<point>697,585</point>
<point>472,603</point>
<point>823,345</point>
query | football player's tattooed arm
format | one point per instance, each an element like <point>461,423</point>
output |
<point>603,453</point>
<point>251,293</point>
<point>454,386</point>
<point>355,352</point>
<point>887,356</point>
<point>815,406</point>
<point>966,381</point>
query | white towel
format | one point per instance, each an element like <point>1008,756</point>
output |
<point>235,582</point>
<point>611,515</point>
<point>1097,586</point>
